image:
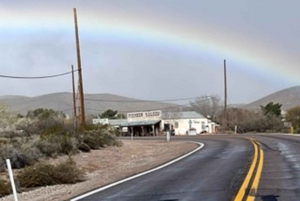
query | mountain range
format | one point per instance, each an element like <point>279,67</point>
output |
<point>97,103</point>
<point>289,98</point>
<point>94,103</point>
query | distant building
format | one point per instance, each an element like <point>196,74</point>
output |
<point>187,123</point>
<point>155,123</point>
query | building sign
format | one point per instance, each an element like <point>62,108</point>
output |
<point>100,121</point>
<point>144,116</point>
<point>153,114</point>
<point>135,115</point>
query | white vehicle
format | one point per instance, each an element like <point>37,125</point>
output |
<point>191,131</point>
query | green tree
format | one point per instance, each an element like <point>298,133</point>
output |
<point>293,116</point>
<point>272,109</point>
<point>112,114</point>
<point>109,114</point>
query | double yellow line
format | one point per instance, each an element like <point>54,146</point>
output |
<point>249,187</point>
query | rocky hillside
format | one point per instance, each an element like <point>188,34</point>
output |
<point>289,98</point>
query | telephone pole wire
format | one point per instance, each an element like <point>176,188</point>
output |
<point>82,110</point>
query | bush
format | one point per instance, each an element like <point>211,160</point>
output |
<point>57,144</point>
<point>19,156</point>
<point>252,121</point>
<point>84,147</point>
<point>3,140</point>
<point>43,127</point>
<point>43,174</point>
<point>47,148</point>
<point>5,188</point>
<point>96,139</point>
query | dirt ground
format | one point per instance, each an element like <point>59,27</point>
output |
<point>108,165</point>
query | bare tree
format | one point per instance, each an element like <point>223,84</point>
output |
<point>172,114</point>
<point>208,106</point>
<point>8,119</point>
<point>252,121</point>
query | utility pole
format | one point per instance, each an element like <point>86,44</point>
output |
<point>74,100</point>
<point>82,110</point>
<point>225,97</point>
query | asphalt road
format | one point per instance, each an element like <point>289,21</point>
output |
<point>240,167</point>
<point>280,179</point>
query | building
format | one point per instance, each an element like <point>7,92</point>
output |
<point>190,122</point>
<point>155,123</point>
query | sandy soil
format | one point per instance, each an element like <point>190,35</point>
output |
<point>109,165</point>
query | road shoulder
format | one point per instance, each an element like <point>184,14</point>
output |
<point>111,164</point>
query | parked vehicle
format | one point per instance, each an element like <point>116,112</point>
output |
<point>191,131</point>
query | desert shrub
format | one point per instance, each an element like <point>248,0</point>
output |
<point>5,188</point>
<point>57,144</point>
<point>47,148</point>
<point>56,140</point>
<point>44,126</point>
<point>110,139</point>
<point>252,121</point>
<point>68,173</point>
<point>43,174</point>
<point>3,140</point>
<point>19,157</point>
<point>100,138</point>
<point>83,147</point>
<point>91,139</point>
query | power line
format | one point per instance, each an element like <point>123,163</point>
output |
<point>37,77</point>
<point>141,101</point>
<point>161,108</point>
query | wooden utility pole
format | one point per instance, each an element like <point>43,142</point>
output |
<point>225,97</point>
<point>74,100</point>
<point>82,110</point>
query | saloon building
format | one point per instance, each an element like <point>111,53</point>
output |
<point>155,123</point>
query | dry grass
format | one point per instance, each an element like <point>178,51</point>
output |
<point>109,165</point>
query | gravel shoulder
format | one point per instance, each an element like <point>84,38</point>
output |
<point>109,165</point>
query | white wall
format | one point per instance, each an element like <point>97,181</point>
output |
<point>200,125</point>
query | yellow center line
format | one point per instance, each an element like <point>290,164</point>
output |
<point>255,183</point>
<point>245,184</point>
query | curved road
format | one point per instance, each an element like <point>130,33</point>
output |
<point>240,167</point>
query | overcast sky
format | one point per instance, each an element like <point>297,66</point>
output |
<point>154,49</point>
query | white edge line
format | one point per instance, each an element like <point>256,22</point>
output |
<point>201,145</point>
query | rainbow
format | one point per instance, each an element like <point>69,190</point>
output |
<point>248,55</point>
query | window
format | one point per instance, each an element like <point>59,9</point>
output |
<point>176,124</point>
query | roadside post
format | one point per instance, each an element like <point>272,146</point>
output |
<point>235,129</point>
<point>168,136</point>
<point>12,181</point>
<point>190,124</point>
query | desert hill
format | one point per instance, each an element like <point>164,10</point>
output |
<point>289,98</point>
<point>94,103</point>
<point>98,103</point>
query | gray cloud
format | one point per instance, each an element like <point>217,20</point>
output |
<point>142,69</point>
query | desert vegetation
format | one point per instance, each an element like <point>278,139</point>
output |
<point>293,117</point>
<point>266,119</point>
<point>30,140</point>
